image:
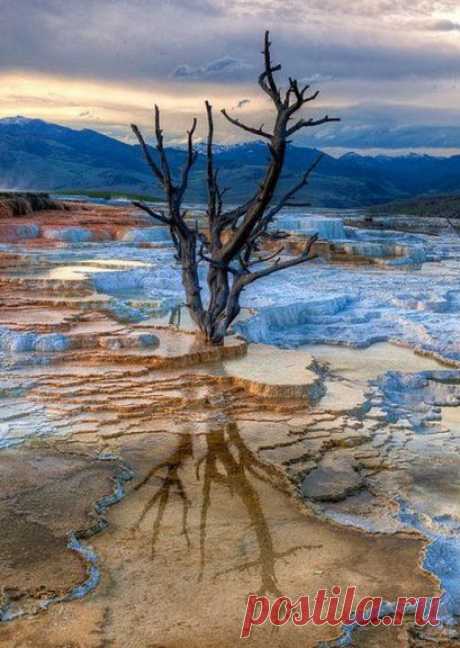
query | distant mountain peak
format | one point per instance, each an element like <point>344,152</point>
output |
<point>33,126</point>
<point>228,148</point>
<point>19,120</point>
<point>351,155</point>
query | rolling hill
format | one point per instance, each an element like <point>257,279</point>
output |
<point>36,155</point>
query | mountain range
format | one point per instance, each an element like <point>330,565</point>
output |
<point>377,136</point>
<point>36,155</point>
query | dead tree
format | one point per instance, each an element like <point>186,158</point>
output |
<point>232,242</point>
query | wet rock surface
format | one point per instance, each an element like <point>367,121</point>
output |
<point>254,469</point>
<point>178,537</point>
<point>333,481</point>
<point>38,510</point>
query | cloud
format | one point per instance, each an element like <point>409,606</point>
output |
<point>444,26</point>
<point>243,102</point>
<point>221,67</point>
<point>363,9</point>
<point>317,78</point>
<point>176,52</point>
<point>184,71</point>
<point>133,40</point>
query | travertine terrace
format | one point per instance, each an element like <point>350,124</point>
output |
<point>147,478</point>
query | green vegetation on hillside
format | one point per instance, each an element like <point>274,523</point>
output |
<point>107,195</point>
<point>423,206</point>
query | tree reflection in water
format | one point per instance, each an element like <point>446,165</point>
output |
<point>230,463</point>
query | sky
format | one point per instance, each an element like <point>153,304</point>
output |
<point>388,68</point>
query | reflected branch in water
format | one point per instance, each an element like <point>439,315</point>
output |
<point>228,463</point>
<point>220,444</point>
<point>236,473</point>
<point>211,474</point>
<point>277,556</point>
<point>183,449</point>
<point>171,482</point>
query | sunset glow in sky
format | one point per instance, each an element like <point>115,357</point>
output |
<point>102,65</point>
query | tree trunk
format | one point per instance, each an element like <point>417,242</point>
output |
<point>190,280</point>
<point>218,298</point>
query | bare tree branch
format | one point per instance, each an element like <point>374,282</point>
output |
<point>191,158</point>
<point>211,174</point>
<point>154,214</point>
<point>290,263</point>
<point>266,79</point>
<point>255,131</point>
<point>270,257</point>
<point>150,161</point>
<point>307,123</point>
<point>264,222</point>
<point>299,94</point>
<point>166,172</point>
<point>284,201</point>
